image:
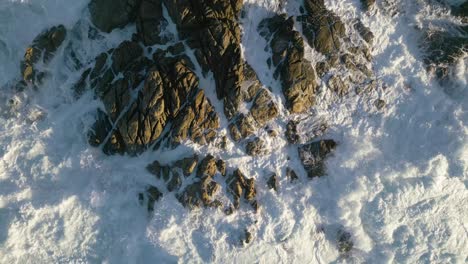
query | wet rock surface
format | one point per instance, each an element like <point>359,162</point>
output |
<point>41,51</point>
<point>295,73</point>
<point>144,97</point>
<point>313,156</point>
<point>197,183</point>
<point>108,15</point>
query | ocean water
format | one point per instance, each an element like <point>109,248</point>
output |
<point>397,181</point>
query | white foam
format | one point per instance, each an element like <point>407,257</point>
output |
<point>397,180</point>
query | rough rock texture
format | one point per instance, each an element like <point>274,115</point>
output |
<point>212,30</point>
<point>107,15</point>
<point>346,64</point>
<point>291,132</point>
<point>321,27</point>
<point>242,187</point>
<point>445,48</point>
<point>255,147</point>
<point>295,73</point>
<point>145,98</point>
<point>194,182</point>
<point>313,156</point>
<point>40,51</point>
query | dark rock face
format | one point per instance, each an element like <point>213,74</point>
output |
<point>107,15</point>
<point>143,98</point>
<point>313,156</point>
<point>344,241</point>
<point>367,4</point>
<point>150,22</point>
<point>295,73</point>
<point>291,174</point>
<point>41,51</point>
<point>444,49</point>
<point>150,196</point>
<point>273,182</point>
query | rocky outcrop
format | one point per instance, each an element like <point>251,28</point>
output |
<point>313,156</point>
<point>148,101</point>
<point>346,62</point>
<point>150,197</point>
<point>196,184</point>
<point>41,51</point>
<point>272,182</point>
<point>295,73</point>
<point>444,48</point>
<point>242,188</point>
<point>255,147</point>
<point>344,241</point>
<point>323,29</point>
<point>108,15</point>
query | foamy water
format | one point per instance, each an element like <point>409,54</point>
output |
<point>397,181</point>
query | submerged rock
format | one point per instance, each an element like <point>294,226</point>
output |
<point>313,156</point>
<point>150,196</point>
<point>344,241</point>
<point>41,51</point>
<point>273,182</point>
<point>108,15</point>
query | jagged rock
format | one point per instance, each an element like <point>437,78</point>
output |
<point>200,193</point>
<point>242,127</point>
<point>108,15</point>
<point>444,49</point>
<point>291,174</point>
<point>240,186</point>
<point>291,132</point>
<point>263,108</point>
<point>170,176</point>
<point>150,22</point>
<point>152,195</point>
<point>296,74</point>
<point>187,165</point>
<point>273,182</point>
<point>367,4</point>
<point>380,104</point>
<point>344,241</point>
<point>207,167</point>
<point>248,237</point>
<point>313,156</point>
<point>321,27</point>
<point>221,166</point>
<point>364,31</point>
<point>255,147</point>
<point>212,30</point>
<point>41,50</point>
<point>168,98</point>
<point>337,85</point>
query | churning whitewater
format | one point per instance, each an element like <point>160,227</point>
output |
<point>395,189</point>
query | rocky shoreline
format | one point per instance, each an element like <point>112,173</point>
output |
<point>153,97</point>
